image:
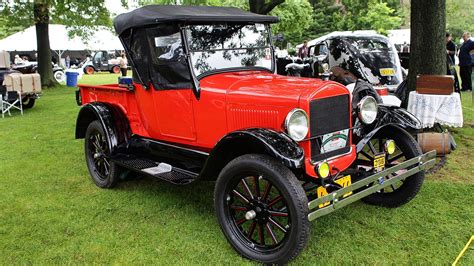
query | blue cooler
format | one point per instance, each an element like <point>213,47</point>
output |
<point>125,82</point>
<point>71,79</point>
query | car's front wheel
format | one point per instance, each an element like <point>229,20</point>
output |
<point>104,173</point>
<point>406,148</point>
<point>262,209</point>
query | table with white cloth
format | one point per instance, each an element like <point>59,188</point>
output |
<point>432,108</point>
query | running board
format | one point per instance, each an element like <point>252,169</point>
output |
<point>158,170</point>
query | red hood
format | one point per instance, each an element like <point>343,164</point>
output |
<point>268,89</point>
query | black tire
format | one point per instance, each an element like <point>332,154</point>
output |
<point>104,173</point>
<point>89,70</point>
<point>115,69</point>
<point>59,75</point>
<point>403,191</point>
<point>284,223</point>
<point>28,102</point>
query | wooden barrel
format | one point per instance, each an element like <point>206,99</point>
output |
<point>435,141</point>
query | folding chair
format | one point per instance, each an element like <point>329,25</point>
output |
<point>9,100</point>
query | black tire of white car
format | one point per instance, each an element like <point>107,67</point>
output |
<point>406,190</point>
<point>282,227</point>
<point>28,102</point>
<point>89,70</point>
<point>59,75</point>
<point>104,173</point>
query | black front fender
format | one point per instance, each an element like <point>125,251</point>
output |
<point>393,127</point>
<point>400,117</point>
<point>263,141</point>
<point>113,121</point>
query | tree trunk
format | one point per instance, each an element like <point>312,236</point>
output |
<point>260,7</point>
<point>41,17</point>
<point>427,46</point>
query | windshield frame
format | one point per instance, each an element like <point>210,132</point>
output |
<point>188,52</point>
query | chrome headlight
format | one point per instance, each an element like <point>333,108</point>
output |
<point>297,124</point>
<point>367,110</point>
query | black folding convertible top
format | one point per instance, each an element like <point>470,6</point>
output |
<point>157,14</point>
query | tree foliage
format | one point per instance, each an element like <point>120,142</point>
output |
<point>263,6</point>
<point>81,17</point>
<point>380,17</point>
<point>330,15</point>
<point>235,3</point>
<point>459,18</point>
<point>295,19</point>
<point>6,29</point>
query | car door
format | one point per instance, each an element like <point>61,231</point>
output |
<point>97,60</point>
<point>172,92</point>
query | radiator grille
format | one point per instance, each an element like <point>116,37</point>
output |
<point>328,115</point>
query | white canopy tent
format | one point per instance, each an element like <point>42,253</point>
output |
<point>401,36</point>
<point>59,41</point>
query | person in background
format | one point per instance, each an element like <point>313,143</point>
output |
<point>450,47</point>
<point>450,61</point>
<point>68,62</point>
<point>123,64</point>
<point>465,64</point>
<point>405,48</point>
<point>18,60</point>
<point>303,51</point>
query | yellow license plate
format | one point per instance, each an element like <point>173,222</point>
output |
<point>379,162</point>
<point>343,182</point>
<point>387,71</point>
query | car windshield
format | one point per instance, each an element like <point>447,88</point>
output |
<point>218,47</point>
<point>369,45</point>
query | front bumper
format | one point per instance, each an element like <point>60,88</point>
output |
<point>420,163</point>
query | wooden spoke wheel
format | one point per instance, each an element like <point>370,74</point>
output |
<point>262,209</point>
<point>402,191</point>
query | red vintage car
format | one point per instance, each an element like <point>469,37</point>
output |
<point>206,103</point>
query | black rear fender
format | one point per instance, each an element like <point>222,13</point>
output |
<point>113,120</point>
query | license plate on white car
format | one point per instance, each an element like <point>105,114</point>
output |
<point>387,72</point>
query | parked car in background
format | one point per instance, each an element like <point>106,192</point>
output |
<point>365,55</point>
<point>28,97</point>
<point>102,61</point>
<point>29,67</point>
<point>205,103</point>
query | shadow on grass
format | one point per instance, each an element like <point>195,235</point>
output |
<point>196,196</point>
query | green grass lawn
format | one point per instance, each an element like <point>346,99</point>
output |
<point>51,212</point>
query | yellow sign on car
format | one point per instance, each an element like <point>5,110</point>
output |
<point>343,182</point>
<point>387,72</point>
<point>379,162</point>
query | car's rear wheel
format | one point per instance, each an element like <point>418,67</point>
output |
<point>262,209</point>
<point>89,70</point>
<point>115,70</point>
<point>28,102</point>
<point>406,148</point>
<point>104,173</point>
